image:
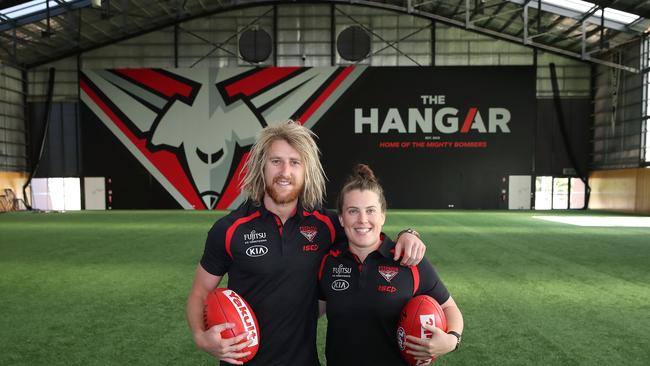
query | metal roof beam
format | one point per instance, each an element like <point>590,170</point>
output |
<point>560,51</point>
<point>438,5</point>
<point>24,42</point>
<point>498,4</point>
<point>46,28</point>
<point>495,14</point>
<point>28,32</point>
<point>417,11</point>
<point>456,12</point>
<point>549,27</point>
<point>578,24</point>
<point>512,19</point>
<point>569,13</point>
<point>588,34</point>
<point>164,8</point>
<point>490,17</point>
<point>140,7</point>
<point>42,14</point>
<point>639,4</point>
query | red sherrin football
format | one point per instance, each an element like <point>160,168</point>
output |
<point>419,310</point>
<point>226,306</point>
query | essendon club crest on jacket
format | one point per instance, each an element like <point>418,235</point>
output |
<point>192,129</point>
<point>309,232</point>
<point>388,272</point>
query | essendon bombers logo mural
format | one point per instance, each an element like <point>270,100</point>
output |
<point>192,129</point>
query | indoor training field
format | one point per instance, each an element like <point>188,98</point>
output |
<point>109,288</point>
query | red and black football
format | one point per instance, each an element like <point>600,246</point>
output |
<point>226,306</point>
<point>418,311</point>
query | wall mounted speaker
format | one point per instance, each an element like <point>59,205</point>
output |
<point>353,43</point>
<point>255,45</point>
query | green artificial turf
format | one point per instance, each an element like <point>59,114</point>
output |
<point>109,288</point>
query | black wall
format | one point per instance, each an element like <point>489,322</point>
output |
<point>551,155</point>
<point>464,178</point>
<point>468,178</point>
<point>62,151</point>
<point>131,184</point>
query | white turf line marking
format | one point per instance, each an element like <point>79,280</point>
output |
<point>599,221</point>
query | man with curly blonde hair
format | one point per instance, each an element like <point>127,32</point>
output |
<point>271,248</point>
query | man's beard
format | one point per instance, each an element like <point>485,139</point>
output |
<point>277,197</point>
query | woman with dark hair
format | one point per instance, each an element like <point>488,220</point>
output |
<point>364,289</point>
